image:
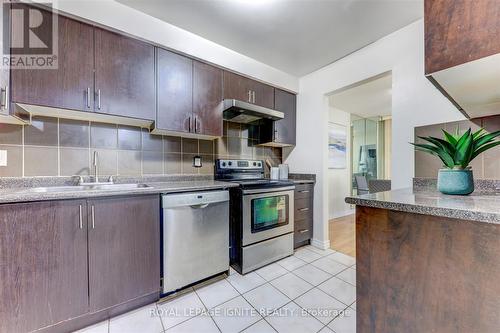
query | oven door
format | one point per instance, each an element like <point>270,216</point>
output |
<point>267,213</point>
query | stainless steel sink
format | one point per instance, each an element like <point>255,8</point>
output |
<point>100,187</point>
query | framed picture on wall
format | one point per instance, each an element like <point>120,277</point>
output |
<point>337,146</point>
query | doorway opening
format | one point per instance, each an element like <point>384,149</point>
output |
<point>359,151</point>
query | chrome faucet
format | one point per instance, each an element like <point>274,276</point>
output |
<point>96,181</point>
<point>96,177</point>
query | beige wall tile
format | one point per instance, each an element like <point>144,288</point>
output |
<point>172,163</point>
<point>206,147</point>
<point>106,162</point>
<point>492,163</point>
<point>220,145</point>
<point>426,165</point>
<point>152,162</point>
<point>40,161</point>
<point>189,146</point>
<point>74,133</point>
<point>151,142</point>
<point>103,136</point>
<point>129,138</point>
<point>129,162</point>
<point>14,166</point>
<point>233,130</point>
<point>41,132</point>
<point>207,165</point>
<point>249,131</point>
<point>74,161</point>
<point>11,134</point>
<point>171,144</point>
<point>187,164</point>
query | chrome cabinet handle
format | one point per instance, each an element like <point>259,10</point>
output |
<point>98,99</point>
<point>304,209</point>
<point>4,99</point>
<point>304,191</point>
<point>303,231</point>
<point>88,97</point>
<point>253,96</point>
<point>81,218</point>
<point>189,123</point>
<point>250,96</point>
<point>93,216</point>
<point>200,206</point>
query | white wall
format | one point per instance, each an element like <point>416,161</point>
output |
<point>415,102</point>
<point>120,17</point>
<point>339,180</point>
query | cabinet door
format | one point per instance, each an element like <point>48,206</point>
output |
<point>175,92</point>
<point>4,70</point>
<point>124,249</point>
<point>285,129</point>
<point>124,76</point>
<point>207,99</point>
<point>70,86</point>
<point>43,264</point>
<point>264,95</point>
<point>237,87</point>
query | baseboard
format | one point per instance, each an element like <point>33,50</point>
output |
<point>320,244</point>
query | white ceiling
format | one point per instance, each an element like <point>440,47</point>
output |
<point>295,36</point>
<point>372,98</point>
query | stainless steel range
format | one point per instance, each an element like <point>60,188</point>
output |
<point>261,214</point>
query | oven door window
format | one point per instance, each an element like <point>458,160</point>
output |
<point>269,212</point>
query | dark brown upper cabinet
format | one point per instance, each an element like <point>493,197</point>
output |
<point>43,270</point>
<point>71,85</point>
<point>124,76</point>
<point>207,99</point>
<point>124,249</point>
<point>462,53</point>
<point>248,90</point>
<point>281,133</point>
<point>175,92</point>
<point>189,96</point>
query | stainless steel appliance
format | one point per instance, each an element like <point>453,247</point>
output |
<point>261,213</point>
<point>195,237</point>
<point>245,113</point>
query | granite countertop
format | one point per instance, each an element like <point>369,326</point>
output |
<point>479,206</point>
<point>303,181</point>
<point>26,194</point>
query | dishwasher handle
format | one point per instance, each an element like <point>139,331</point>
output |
<point>200,206</point>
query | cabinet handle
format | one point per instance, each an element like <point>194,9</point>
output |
<point>189,123</point>
<point>93,216</point>
<point>4,99</point>
<point>304,209</point>
<point>250,96</point>
<point>253,96</point>
<point>304,191</point>
<point>88,97</point>
<point>81,218</point>
<point>98,99</point>
<point>303,231</point>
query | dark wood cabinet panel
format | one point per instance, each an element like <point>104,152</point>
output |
<point>243,89</point>
<point>124,76</point>
<point>459,31</point>
<point>285,129</point>
<point>207,99</point>
<point>420,273</point>
<point>124,249</point>
<point>303,214</point>
<point>43,264</point>
<point>69,85</point>
<point>175,92</point>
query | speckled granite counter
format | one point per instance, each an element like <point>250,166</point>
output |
<point>26,194</point>
<point>302,178</point>
<point>479,206</point>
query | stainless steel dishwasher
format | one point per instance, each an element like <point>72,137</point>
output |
<point>195,237</point>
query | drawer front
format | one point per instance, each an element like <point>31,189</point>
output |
<point>303,231</point>
<point>304,191</point>
<point>303,209</point>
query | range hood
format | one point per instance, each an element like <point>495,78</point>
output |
<point>242,112</point>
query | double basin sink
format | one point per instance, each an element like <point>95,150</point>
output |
<point>96,187</point>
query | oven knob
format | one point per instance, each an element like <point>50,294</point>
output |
<point>258,164</point>
<point>254,164</point>
<point>223,164</point>
<point>229,163</point>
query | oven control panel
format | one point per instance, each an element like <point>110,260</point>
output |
<point>239,164</point>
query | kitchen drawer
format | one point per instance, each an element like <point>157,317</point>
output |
<point>303,209</point>
<point>303,224</point>
<point>304,191</point>
<point>303,231</point>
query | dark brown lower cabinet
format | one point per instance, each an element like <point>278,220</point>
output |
<point>70,263</point>
<point>303,214</point>
<point>43,264</point>
<point>124,249</point>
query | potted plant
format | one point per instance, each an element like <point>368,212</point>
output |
<point>456,152</point>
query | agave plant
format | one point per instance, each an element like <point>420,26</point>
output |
<point>457,151</point>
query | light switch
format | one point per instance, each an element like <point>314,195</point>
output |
<point>197,162</point>
<point>3,158</point>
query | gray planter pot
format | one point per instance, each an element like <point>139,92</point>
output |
<point>455,182</point>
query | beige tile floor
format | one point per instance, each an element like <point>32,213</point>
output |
<point>312,291</point>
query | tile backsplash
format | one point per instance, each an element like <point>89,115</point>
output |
<point>485,166</point>
<point>61,147</point>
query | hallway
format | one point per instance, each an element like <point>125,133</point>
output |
<point>342,232</point>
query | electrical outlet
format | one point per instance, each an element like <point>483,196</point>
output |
<point>197,162</point>
<point>3,158</point>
